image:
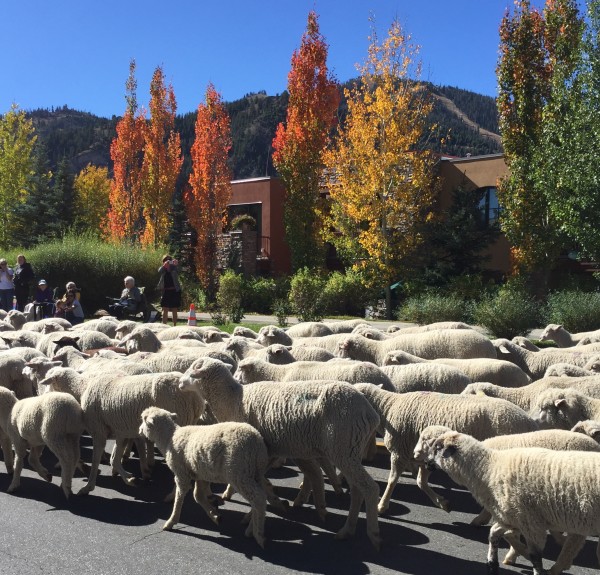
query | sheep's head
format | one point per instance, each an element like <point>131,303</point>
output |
<point>550,331</point>
<point>51,327</point>
<point>478,388</point>
<point>65,354</point>
<point>444,448</point>
<point>6,326</point>
<point>588,427</point>
<point>16,318</point>
<point>38,368</point>
<point>345,347</point>
<point>245,370</point>
<point>396,357</point>
<point>155,419</point>
<point>204,373</point>
<point>213,336</point>
<point>65,341</point>
<point>279,354</point>
<point>558,408</point>
<point>428,437</point>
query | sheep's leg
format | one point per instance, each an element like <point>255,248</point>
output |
<point>257,498</point>
<point>362,487</point>
<point>7,450</point>
<point>67,452</point>
<point>99,445</point>
<point>314,478</point>
<point>181,488</point>
<point>423,484</point>
<point>201,493</point>
<point>483,518</point>
<point>34,460</point>
<point>497,532</point>
<point>150,453</point>
<point>371,448</point>
<point>117,463</point>
<point>572,545</point>
<point>275,501</point>
<point>535,547</point>
<point>141,446</point>
<point>395,471</point>
<point>331,474</point>
<point>20,454</point>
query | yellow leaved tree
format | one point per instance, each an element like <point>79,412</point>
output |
<point>92,190</point>
<point>380,176</point>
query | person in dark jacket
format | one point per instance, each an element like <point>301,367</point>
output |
<point>170,299</point>
<point>22,278</point>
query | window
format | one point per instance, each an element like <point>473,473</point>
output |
<point>489,206</point>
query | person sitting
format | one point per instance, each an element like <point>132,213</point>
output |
<point>129,300</point>
<point>72,308</point>
<point>43,304</point>
<point>69,286</point>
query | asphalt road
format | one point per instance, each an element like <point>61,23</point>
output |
<point>117,530</point>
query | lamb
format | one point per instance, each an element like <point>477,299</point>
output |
<point>241,347</point>
<point>495,371</point>
<point>229,452</point>
<point>246,332</point>
<point>11,375</point>
<point>426,377</point>
<point>16,318</point>
<point>51,342</point>
<point>403,417</point>
<point>21,338</point>
<point>309,329</point>
<point>528,492</point>
<point>564,408</point>
<point>303,420</point>
<point>54,420</point>
<point>568,370</point>
<point>589,427</point>
<point>269,334</point>
<point>457,343</point>
<point>113,407</point>
<point>281,354</point>
<point>556,332</point>
<point>534,363</point>
<point>144,339</point>
<point>251,370</point>
<point>526,396</point>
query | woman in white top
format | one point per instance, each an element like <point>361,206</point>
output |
<point>7,288</point>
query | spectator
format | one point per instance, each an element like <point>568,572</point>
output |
<point>22,277</point>
<point>129,300</point>
<point>44,302</point>
<point>168,283</point>
<point>69,286</point>
<point>72,308</point>
<point>7,288</point>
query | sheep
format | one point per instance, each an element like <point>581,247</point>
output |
<point>21,338</point>
<point>457,343</point>
<point>564,408</point>
<point>302,420</point>
<point>173,332</point>
<point>557,333</point>
<point>426,377</point>
<point>526,396</point>
<point>144,339</point>
<point>251,370</point>
<point>54,420</point>
<point>51,342</point>
<point>91,339</point>
<point>589,427</point>
<point>6,326</point>
<point>593,364</point>
<point>47,325</point>
<point>568,370</point>
<point>11,375</point>
<point>26,353</point>
<point>429,327</point>
<point>106,325</point>
<point>281,354</point>
<point>241,347</point>
<point>329,343</point>
<point>309,329</point>
<point>181,360</point>
<point>534,363</point>
<point>403,417</point>
<point>495,371</point>
<point>246,332</point>
<point>16,318</point>
<point>581,347</point>
<point>344,326</point>
<point>229,452</point>
<point>83,363</point>
<point>529,492</point>
<point>112,408</point>
<point>269,334</point>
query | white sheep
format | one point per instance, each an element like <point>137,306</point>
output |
<point>429,327</point>
<point>568,370</point>
<point>181,359</point>
<point>556,332</point>
<point>564,408</point>
<point>302,420</point>
<point>344,325</point>
<point>241,347</point>
<point>106,325</point>
<point>54,420</point>
<point>456,343</point>
<point>495,371</point>
<point>47,325</point>
<point>309,329</point>
<point>426,377</point>
<point>51,342</point>
<point>228,452</point>
<point>281,354</point>
<point>526,396</point>
<point>528,492</point>
<point>534,363</point>
<point>246,332</point>
<point>113,407</point>
<point>12,377</point>
<point>16,318</point>
<point>92,339</point>
<point>174,332</point>
<point>144,339</point>
<point>589,427</point>
<point>269,334</point>
<point>404,415</point>
<point>251,370</point>
<point>6,326</point>
<point>21,338</point>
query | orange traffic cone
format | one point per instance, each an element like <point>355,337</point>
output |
<point>192,315</point>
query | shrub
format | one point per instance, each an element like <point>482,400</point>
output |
<point>281,309</point>
<point>345,294</point>
<point>575,310</point>
<point>432,307</point>
<point>259,294</point>
<point>229,296</point>
<point>306,295</point>
<point>509,312</point>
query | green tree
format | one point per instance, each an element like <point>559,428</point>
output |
<point>17,140</point>
<point>63,192</point>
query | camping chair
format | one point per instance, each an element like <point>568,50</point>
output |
<point>142,310</point>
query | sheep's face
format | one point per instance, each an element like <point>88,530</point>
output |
<point>588,427</point>
<point>152,419</point>
<point>424,448</point>
<point>278,354</point>
<point>555,410</point>
<point>345,348</point>
<point>443,449</point>
<point>243,373</point>
<point>550,331</point>
<point>479,388</point>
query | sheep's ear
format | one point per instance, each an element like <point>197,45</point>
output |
<point>449,451</point>
<point>559,326</point>
<point>503,348</point>
<point>288,347</point>
<point>278,351</point>
<point>480,392</point>
<point>174,416</point>
<point>560,402</point>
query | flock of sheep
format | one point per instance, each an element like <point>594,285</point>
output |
<point>516,425</point>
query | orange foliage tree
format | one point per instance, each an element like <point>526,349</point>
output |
<point>298,145</point>
<point>162,161</point>
<point>210,185</point>
<point>126,151</point>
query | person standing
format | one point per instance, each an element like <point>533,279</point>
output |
<point>168,283</point>
<point>7,288</point>
<point>22,277</point>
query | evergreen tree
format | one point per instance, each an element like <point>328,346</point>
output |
<point>64,194</point>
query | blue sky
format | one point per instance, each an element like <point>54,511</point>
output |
<point>77,52</point>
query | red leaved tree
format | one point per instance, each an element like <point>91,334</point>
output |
<point>126,152</point>
<point>298,145</point>
<point>209,191</point>
<point>162,161</point>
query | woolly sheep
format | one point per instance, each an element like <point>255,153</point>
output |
<point>309,329</point>
<point>6,326</point>
<point>429,327</point>
<point>174,332</point>
<point>529,492</point>
<point>568,370</point>
<point>457,343</point>
<point>251,370</point>
<point>51,342</point>
<point>229,452</point>
<point>83,363</point>
<point>564,408</point>
<point>589,427</point>
<point>269,334</point>
<point>91,339</point>
<point>246,332</point>
<point>241,347</point>
<point>302,420</point>
<point>26,353</point>
<point>16,318</point>
<point>329,343</point>
<point>281,354</point>
<point>403,416</point>
<point>21,338</point>
<point>112,408</point>
<point>343,326</point>
<point>582,347</point>
<point>11,375</point>
<point>106,325</point>
<point>495,371</point>
<point>144,339</point>
<point>181,359</point>
<point>534,363</point>
<point>556,332</point>
<point>426,377</point>
<point>47,325</point>
<point>54,420</point>
<point>526,396</point>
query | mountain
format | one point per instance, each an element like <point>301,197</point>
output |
<point>467,121</point>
